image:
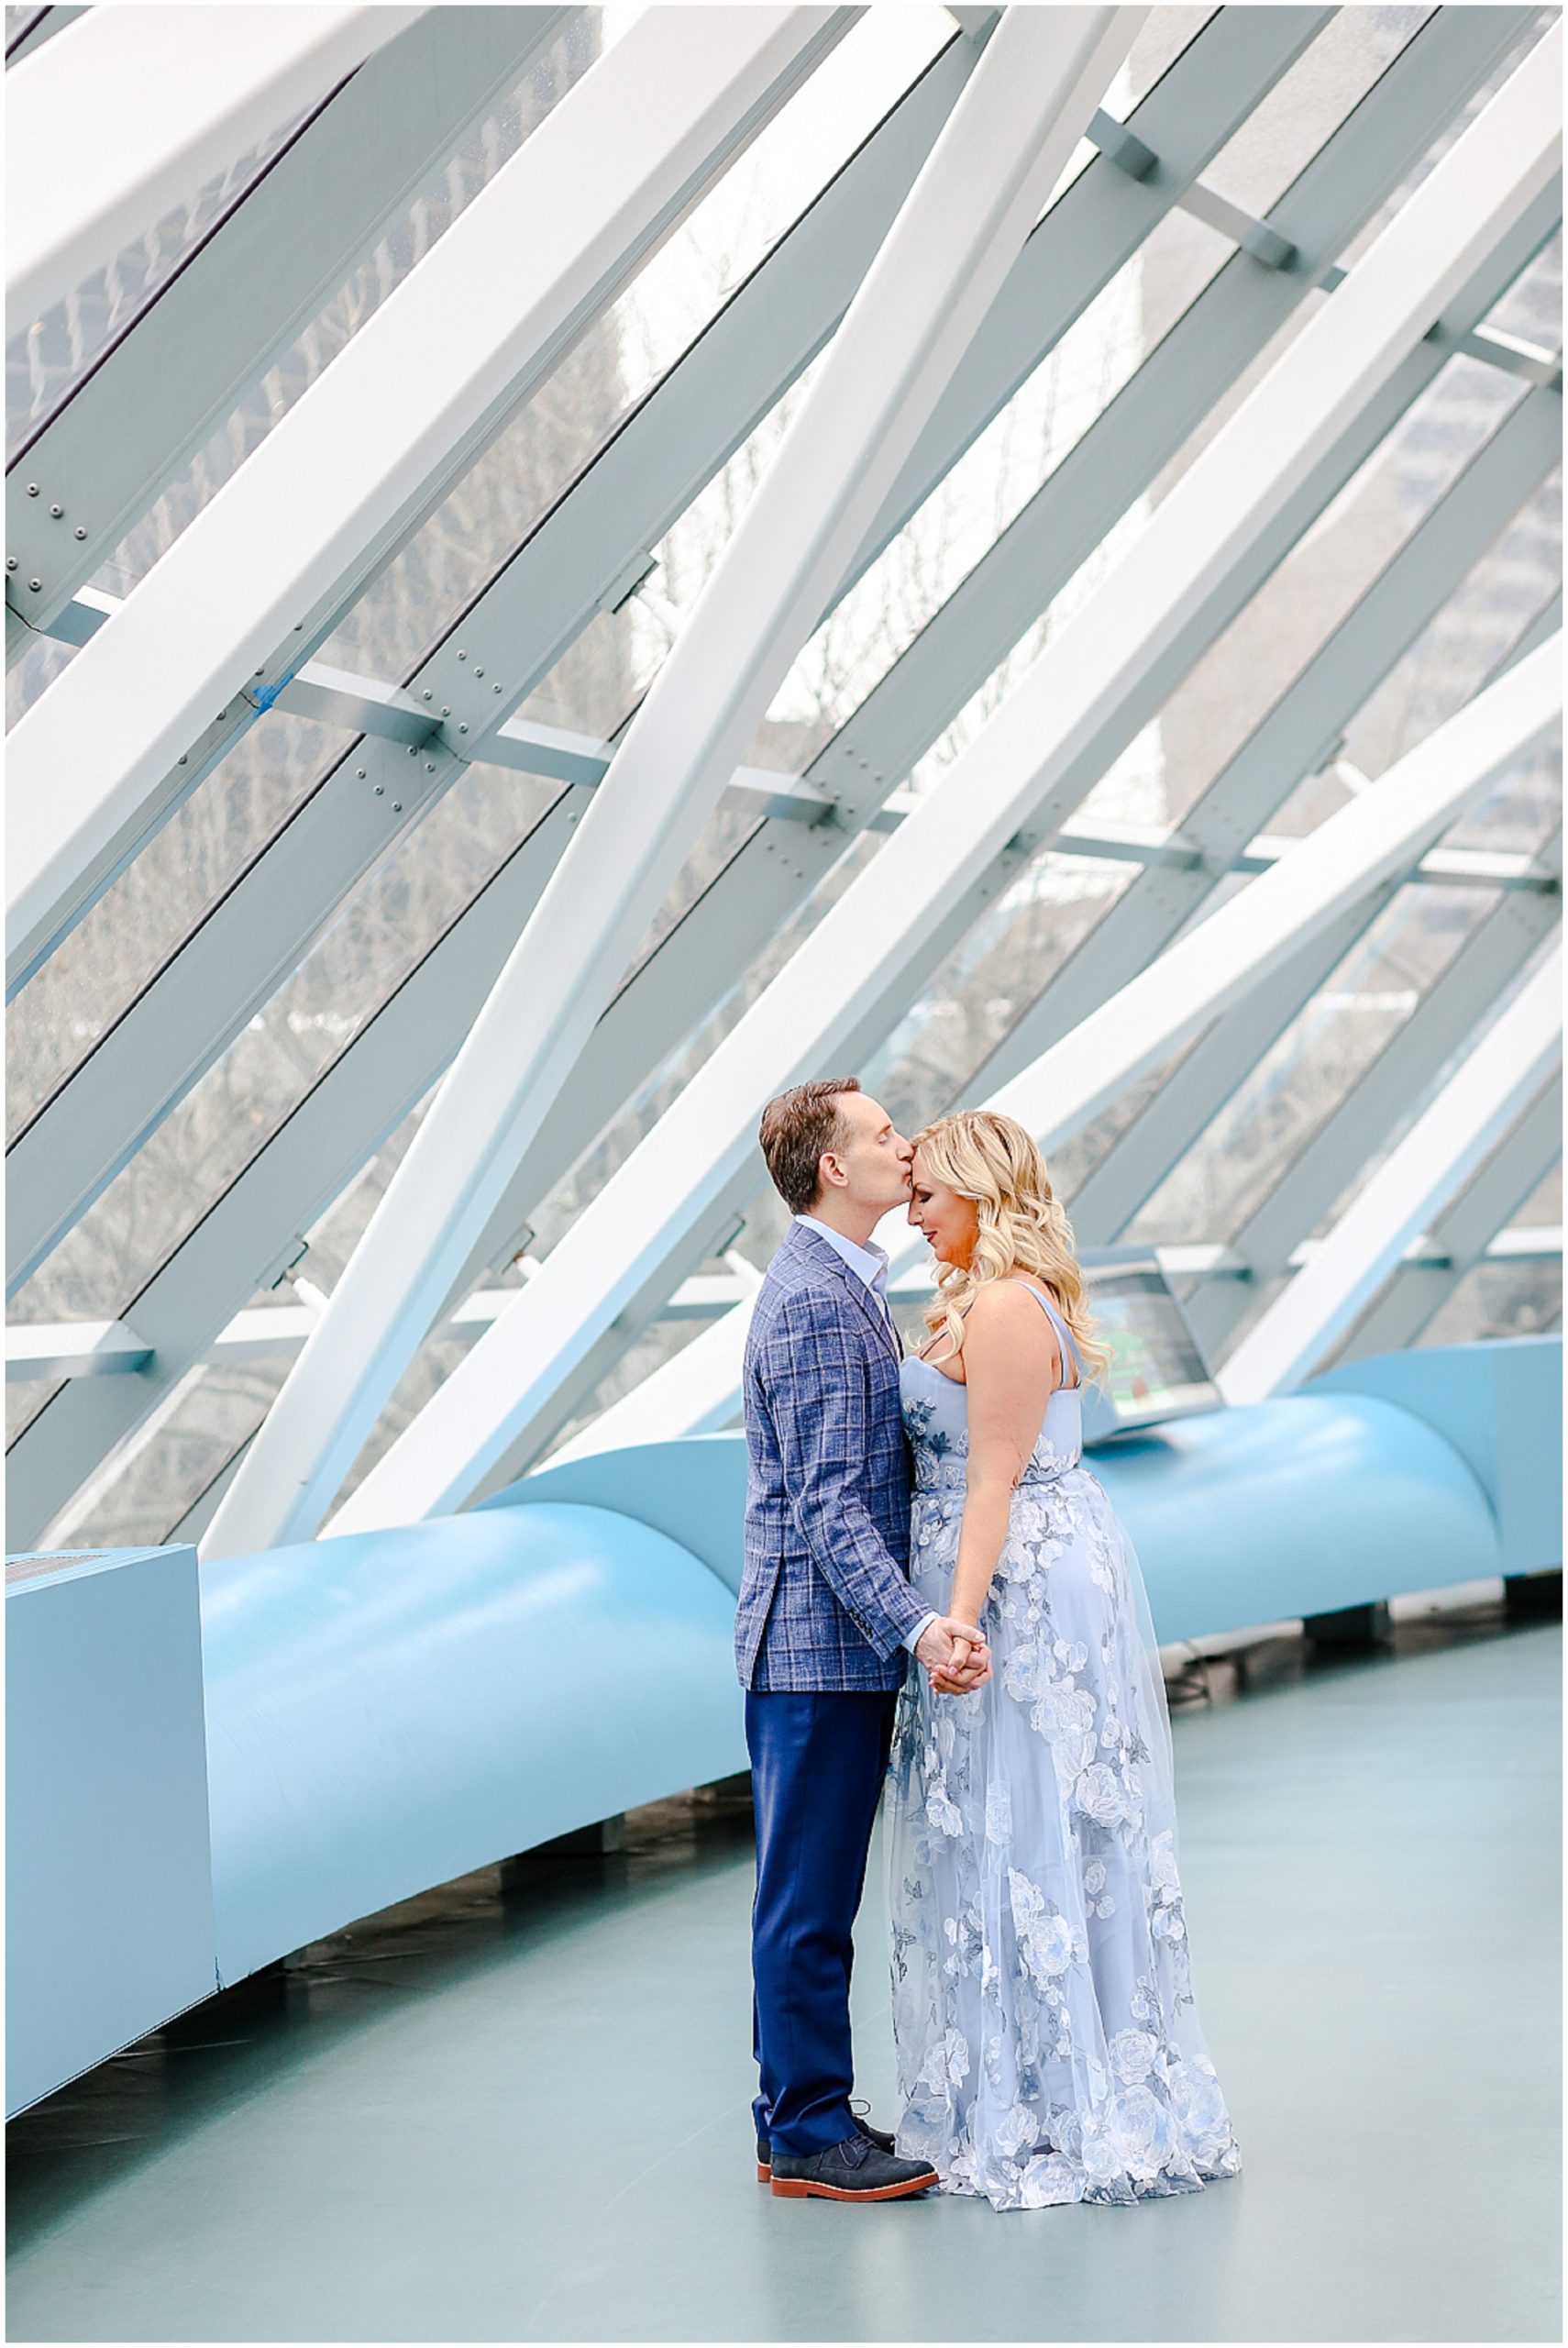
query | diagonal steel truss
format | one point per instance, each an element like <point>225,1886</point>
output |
<point>1033,762</point>
<point>628,497</point>
<point>354,1106</point>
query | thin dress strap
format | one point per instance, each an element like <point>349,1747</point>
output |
<point>1062,1328</point>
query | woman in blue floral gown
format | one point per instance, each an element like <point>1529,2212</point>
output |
<point>1048,2043</point>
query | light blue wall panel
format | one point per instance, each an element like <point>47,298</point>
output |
<point>108,1885</point>
<point>393,1709</point>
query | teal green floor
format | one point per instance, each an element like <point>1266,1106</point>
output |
<point>523,2117</point>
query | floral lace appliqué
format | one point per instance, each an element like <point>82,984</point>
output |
<point>1048,2043</point>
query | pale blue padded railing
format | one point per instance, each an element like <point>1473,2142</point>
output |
<point>389,1710</point>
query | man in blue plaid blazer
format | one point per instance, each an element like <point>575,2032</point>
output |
<point>826,1624</point>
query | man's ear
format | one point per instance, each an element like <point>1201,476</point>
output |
<point>830,1170</point>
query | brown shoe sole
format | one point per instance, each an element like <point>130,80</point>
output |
<point>805,2188</point>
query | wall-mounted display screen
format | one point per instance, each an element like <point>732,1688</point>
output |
<point>1157,1370</point>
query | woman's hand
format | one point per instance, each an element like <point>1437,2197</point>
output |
<point>968,1668</point>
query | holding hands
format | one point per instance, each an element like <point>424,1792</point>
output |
<point>955,1655</point>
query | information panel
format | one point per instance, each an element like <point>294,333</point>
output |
<point>1157,1370</point>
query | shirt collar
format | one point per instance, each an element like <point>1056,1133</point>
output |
<point>871,1262</point>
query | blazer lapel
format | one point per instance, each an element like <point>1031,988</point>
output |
<point>816,1252</point>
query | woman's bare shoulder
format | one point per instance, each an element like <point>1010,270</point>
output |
<point>1002,1307</point>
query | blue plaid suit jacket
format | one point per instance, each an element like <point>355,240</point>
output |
<point>825,1601</point>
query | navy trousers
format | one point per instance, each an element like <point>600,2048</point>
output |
<point>817,1765</point>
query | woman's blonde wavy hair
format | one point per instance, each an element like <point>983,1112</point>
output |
<point>1022,1224</point>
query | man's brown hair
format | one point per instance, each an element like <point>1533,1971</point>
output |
<point>795,1131</point>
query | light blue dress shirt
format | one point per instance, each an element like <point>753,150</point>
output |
<point>869,1263</point>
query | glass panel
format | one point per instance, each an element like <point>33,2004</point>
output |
<point>1532,306</point>
<point>413,600</point>
<point>1543,1208</point>
<point>1165,33</point>
<point>143,918</point>
<point>1305,1074</point>
<point>1251,664</point>
<point>1498,1300</point>
<point>1464,647</point>
<point>124,941</point>
<point>1226,406</point>
<point>39,665</point>
<point>1006,962</point>
<point>1308,103</point>
<point>995,477</point>
<point>197,1151</point>
<point>672,298</point>
<point>767,186</point>
<point>1073,1161</point>
<point>47,359</point>
<point>1400,1123</point>
<point>160,1476</point>
<point>1534,28</point>
<point>409,237</point>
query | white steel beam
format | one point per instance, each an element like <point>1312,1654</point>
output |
<point>1373,838</point>
<point>371,709</point>
<point>251,587</point>
<point>966,219</point>
<point>211,331</point>
<point>1299,729</point>
<point>697,1392</point>
<point>632,491</point>
<point>861,958</point>
<point>667,447</point>
<point>260,932</point>
<point>1318,1172</point>
<point>42,25</point>
<point>1461,1237</point>
<point>72,1349</point>
<point>1237,950</point>
<point>1160,1135</point>
<point>709,947</point>
<point>1508,1065</point>
<point>130,110</point>
<point>38,1353</point>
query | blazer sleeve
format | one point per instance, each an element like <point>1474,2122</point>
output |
<point>813,1373</point>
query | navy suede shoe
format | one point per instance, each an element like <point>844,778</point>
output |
<point>855,2170</point>
<point>881,2137</point>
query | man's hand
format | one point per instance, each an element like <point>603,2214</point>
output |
<point>955,1655</point>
